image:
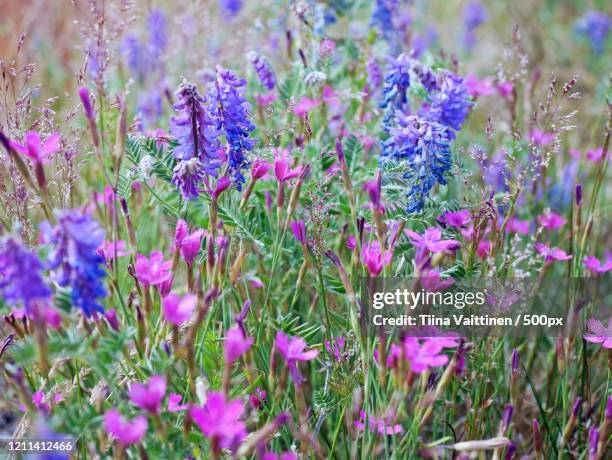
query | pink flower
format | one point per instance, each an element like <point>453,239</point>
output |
<point>34,149</point>
<point>432,282</point>
<point>504,88</point>
<point>257,398</point>
<point>383,425</point>
<point>305,105</point>
<point>540,138</point>
<point>111,317</point>
<point>220,419</point>
<point>551,220</point>
<point>600,334</point>
<point>38,399</point>
<point>336,349</point>
<point>177,310</point>
<point>595,155</point>
<point>422,356</point>
<point>260,168</point>
<point>149,396</point>
<point>292,350</point>
<point>222,185</point>
<point>432,241</point>
<point>551,254</point>
<point>479,87</point>
<point>575,153</point>
<point>298,227</point>
<point>265,100</point>
<point>373,259</point>
<point>174,403</point>
<point>153,271</point>
<point>518,226</point>
<point>236,344</point>
<point>108,249</point>
<point>484,249</point>
<point>124,431</point>
<point>282,168</point>
<point>327,47</point>
<point>351,242</point>
<point>457,219</point>
<point>594,264</point>
<point>373,189</point>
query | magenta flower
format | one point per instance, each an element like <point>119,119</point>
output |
<point>373,259</point>
<point>422,356</point>
<point>282,168</point>
<point>505,88</point>
<point>431,240</point>
<point>124,431</point>
<point>373,189</point>
<point>174,403</point>
<point>35,149</point>
<point>177,309</point>
<point>236,344</point>
<point>479,87</point>
<point>153,271</point>
<point>432,282</point>
<point>109,248</point>
<point>518,226</point>
<point>111,317</point>
<point>298,227</point>
<point>599,333</point>
<point>257,398</point>
<point>292,350</point>
<point>484,249</point>
<point>551,254</point>
<point>305,105</point>
<point>595,155</point>
<point>327,47</point>
<point>551,220</point>
<point>149,396</point>
<point>220,419</point>
<point>383,425</point>
<point>595,265</point>
<point>457,219</point>
<point>265,100</point>
<point>222,185</point>
<point>260,168</point>
<point>180,232</point>
<point>336,348</point>
<point>540,138</point>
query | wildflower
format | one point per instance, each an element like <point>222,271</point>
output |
<point>431,240</point>
<point>260,169</point>
<point>174,403</point>
<point>158,31</point>
<point>21,277</point>
<point>282,169</point>
<point>232,112</point>
<point>595,265</point>
<point>551,220</point>
<point>298,228</point>
<point>195,129</point>
<point>593,442</point>
<point>595,25</point>
<point>136,56</point>
<point>505,89</point>
<point>540,138</point>
<point>382,17</point>
<point>599,333</point>
<point>305,105</point>
<point>433,282</point>
<point>219,420</point>
<point>483,250</point>
<point>518,226</point>
<point>595,155</point>
<point>373,259</point>
<point>336,348</point>
<point>76,239</point>
<point>177,309</point>
<point>423,148</point>
<point>152,270</point>
<point>327,47</point>
<point>108,249</point>
<point>126,432</point>
<point>264,100</point>
<point>425,355</point>
<point>395,86</point>
<point>230,8</point>
<point>514,368</point>
<point>450,105</point>
<point>34,149</point>
<point>188,244</point>
<point>373,189</point>
<point>551,254</point>
<point>292,350</point>
<point>383,425</point>
<point>111,317</point>
<point>149,396</point>
<point>458,219</point>
<point>479,87</point>
<point>236,344</point>
<point>474,14</point>
<point>257,398</point>
<point>263,69</point>
<point>373,74</point>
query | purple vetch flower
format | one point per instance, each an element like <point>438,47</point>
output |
<point>158,31</point>
<point>599,333</point>
<point>220,419</point>
<point>21,277</point>
<point>424,40</point>
<point>231,110</point>
<point>374,74</point>
<point>76,239</point>
<point>382,17</point>
<point>150,395</point>
<point>195,129</point>
<point>263,69</point>
<point>450,105</point>
<point>474,14</point>
<point>136,56</point>
<point>150,107</point>
<point>396,84</point>
<point>236,344</point>
<point>292,350</point>
<point>126,432</point>
<point>595,25</point>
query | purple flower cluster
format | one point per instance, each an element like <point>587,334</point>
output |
<point>76,239</point>
<point>474,14</point>
<point>422,146</point>
<point>595,25</point>
<point>230,8</point>
<point>450,105</point>
<point>263,68</point>
<point>195,129</point>
<point>142,57</point>
<point>395,87</point>
<point>21,274</point>
<point>231,111</point>
<point>382,17</point>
